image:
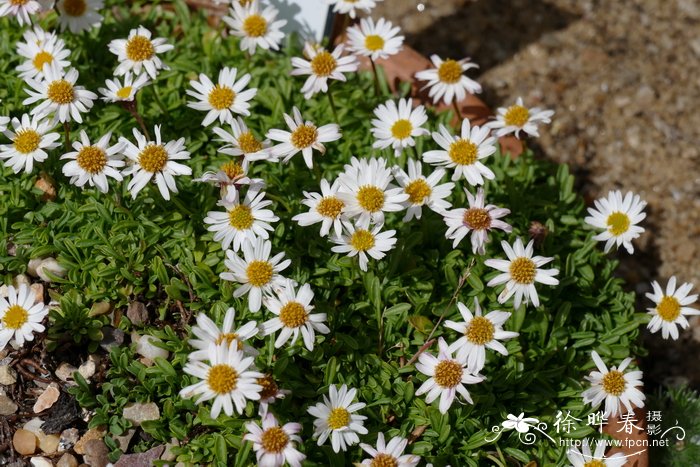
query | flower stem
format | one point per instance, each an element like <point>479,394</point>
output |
<point>376,77</point>
<point>332,102</point>
<point>130,106</point>
<point>458,112</point>
<point>66,130</point>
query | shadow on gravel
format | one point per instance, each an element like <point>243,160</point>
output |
<point>471,29</point>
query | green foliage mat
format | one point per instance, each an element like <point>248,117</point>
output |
<point>116,250</point>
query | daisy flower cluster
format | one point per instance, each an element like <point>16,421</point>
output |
<point>415,169</point>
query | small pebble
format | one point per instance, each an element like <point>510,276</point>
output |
<point>24,442</point>
<point>8,376</point>
<point>48,443</point>
<point>145,346</point>
<point>40,462</point>
<point>7,406</point>
<point>67,460</point>
<point>68,439</point>
<point>65,371</point>
<point>96,453</point>
<point>87,369</point>
<point>137,313</point>
<point>92,433</point>
<point>138,413</point>
<point>47,398</point>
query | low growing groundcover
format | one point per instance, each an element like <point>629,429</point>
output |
<point>292,272</point>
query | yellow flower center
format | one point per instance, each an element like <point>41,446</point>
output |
<point>338,418</point>
<point>153,158</point>
<point>293,315</point>
<point>516,115</point>
<point>371,198</point>
<point>401,129</point>
<point>614,383</point>
<point>274,439</point>
<point>221,97</point>
<point>229,337</point>
<point>417,191</point>
<point>248,143</point>
<point>477,219</point>
<point>618,223</point>
<point>523,270</point>
<point>463,152</point>
<point>480,331</point>
<point>244,2</point>
<point>669,308</point>
<point>450,71</point>
<point>18,2</point>
<point>232,169</point>
<point>304,136</point>
<point>362,240</point>
<point>448,373</point>
<point>255,26</point>
<point>330,206</point>
<point>594,463</point>
<point>15,317</point>
<point>259,273</point>
<point>222,378</point>
<point>139,48</point>
<point>240,217</point>
<point>323,64</point>
<point>41,59</point>
<point>27,141</point>
<point>92,159</point>
<point>269,387</point>
<point>373,42</point>
<point>384,460</point>
<point>60,92</point>
<point>74,7</point>
<point>124,93</point>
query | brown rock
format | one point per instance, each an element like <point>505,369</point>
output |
<point>124,440</point>
<point>47,398</point>
<point>137,313</point>
<point>68,439</point>
<point>24,442</point>
<point>96,453</point>
<point>48,443</point>
<point>40,462</point>
<point>138,413</point>
<point>67,460</point>
<point>7,406</point>
<point>144,459</point>
<point>8,376</point>
<point>93,433</point>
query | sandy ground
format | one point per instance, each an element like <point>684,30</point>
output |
<point>624,79</point>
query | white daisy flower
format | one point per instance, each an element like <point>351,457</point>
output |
<point>293,315</point>
<point>79,15</point>
<point>20,9</point>
<point>422,191</point>
<point>479,333</point>
<point>375,40</point>
<point>139,52</point>
<point>671,308</point>
<point>325,207</point>
<point>3,123</point>
<point>37,36</point>
<point>155,159</point>
<point>208,332</point>
<point>351,7</point>
<point>446,81</point>
<point>31,138</point>
<point>447,377</point>
<point>244,219</point>
<point>40,49</point>
<point>270,392</point>
<point>304,137</point>
<point>273,444</point>
<point>363,242</point>
<point>614,387</point>
<point>464,153</point>
<point>21,314</point>
<point>116,92</point>
<point>255,28</point>
<point>478,219</point>
<point>389,454</point>
<point>60,96</point>
<point>584,458</point>
<point>366,190</point>
<point>517,118</point>
<point>619,217</point>
<point>93,163</point>
<point>226,378</point>
<point>223,99</point>
<point>256,271</point>
<point>240,141</point>
<point>335,418</point>
<point>230,173</point>
<point>322,66</point>
<point>397,126</point>
<point>520,272</point>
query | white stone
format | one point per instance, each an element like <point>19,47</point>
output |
<point>146,348</point>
